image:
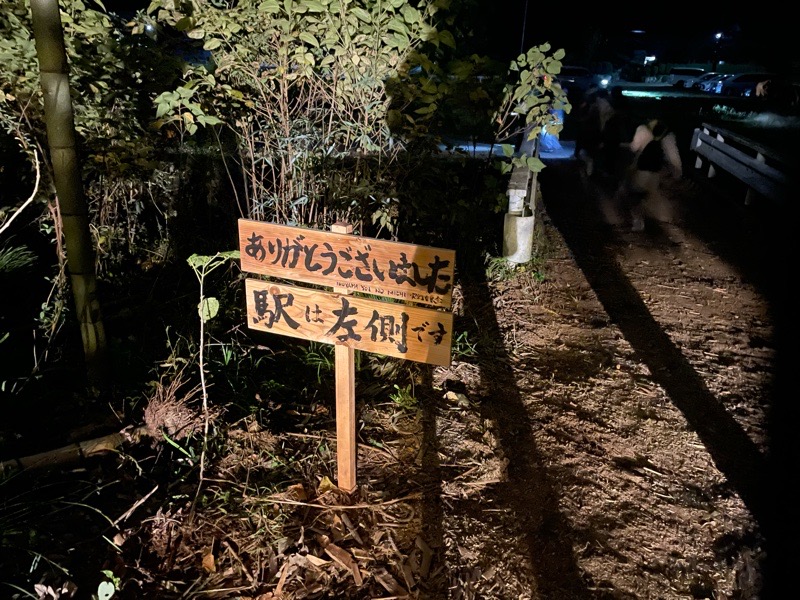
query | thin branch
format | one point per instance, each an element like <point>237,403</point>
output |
<point>363,505</point>
<point>33,195</point>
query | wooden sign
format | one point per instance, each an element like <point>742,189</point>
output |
<point>349,264</point>
<point>419,274</point>
<point>409,332</point>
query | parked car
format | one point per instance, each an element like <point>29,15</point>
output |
<point>743,84</point>
<point>712,85</point>
<point>576,80</point>
<point>683,76</point>
<point>708,81</point>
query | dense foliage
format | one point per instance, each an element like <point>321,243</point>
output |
<point>304,112</point>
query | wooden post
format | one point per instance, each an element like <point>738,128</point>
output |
<point>534,180</point>
<point>345,401</point>
<point>416,274</point>
<point>698,162</point>
<point>712,171</point>
<point>748,198</point>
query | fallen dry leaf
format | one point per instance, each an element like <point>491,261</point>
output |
<point>343,557</point>
<point>209,562</point>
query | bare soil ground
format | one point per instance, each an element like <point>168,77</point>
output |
<point>623,439</point>
<point>620,431</point>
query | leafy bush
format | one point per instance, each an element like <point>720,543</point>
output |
<point>301,86</point>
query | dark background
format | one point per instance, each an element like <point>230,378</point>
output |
<point>502,29</point>
<point>756,34</point>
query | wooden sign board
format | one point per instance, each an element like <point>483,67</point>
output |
<point>418,274</point>
<point>410,332</point>
<point>349,264</point>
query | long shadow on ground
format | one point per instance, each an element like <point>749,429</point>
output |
<point>528,493</point>
<point>746,469</point>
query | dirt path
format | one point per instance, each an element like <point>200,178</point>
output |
<point>625,436</point>
<point>621,429</point>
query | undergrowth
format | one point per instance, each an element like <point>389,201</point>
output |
<point>239,431</point>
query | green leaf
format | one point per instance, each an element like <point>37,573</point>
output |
<point>208,120</point>
<point>208,309</point>
<point>362,14</point>
<point>270,7</point>
<point>184,24</point>
<point>397,41</point>
<point>534,164</point>
<point>309,39</point>
<point>409,13</point>
<point>212,44</point>
<point>204,263</point>
<point>314,7</point>
<point>447,38</point>
<point>198,261</point>
<point>106,590</point>
<point>397,25</point>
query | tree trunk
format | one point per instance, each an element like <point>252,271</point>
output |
<point>49,37</point>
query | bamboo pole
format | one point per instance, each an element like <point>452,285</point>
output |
<point>74,452</point>
<point>49,37</point>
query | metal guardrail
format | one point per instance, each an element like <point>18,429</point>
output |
<point>764,171</point>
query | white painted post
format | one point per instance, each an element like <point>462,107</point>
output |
<point>748,198</point>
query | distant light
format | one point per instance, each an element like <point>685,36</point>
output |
<point>718,36</point>
<point>151,31</point>
<point>637,31</point>
<point>648,59</point>
<point>643,94</point>
<point>604,82</point>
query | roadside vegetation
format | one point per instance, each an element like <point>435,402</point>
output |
<point>303,113</point>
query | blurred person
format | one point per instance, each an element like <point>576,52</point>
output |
<point>581,114</point>
<point>594,113</point>
<point>778,95</point>
<point>653,155</point>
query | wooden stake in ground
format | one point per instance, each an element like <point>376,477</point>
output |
<point>345,401</point>
<point>349,264</point>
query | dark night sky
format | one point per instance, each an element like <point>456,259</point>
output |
<point>766,35</point>
<point>502,28</point>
